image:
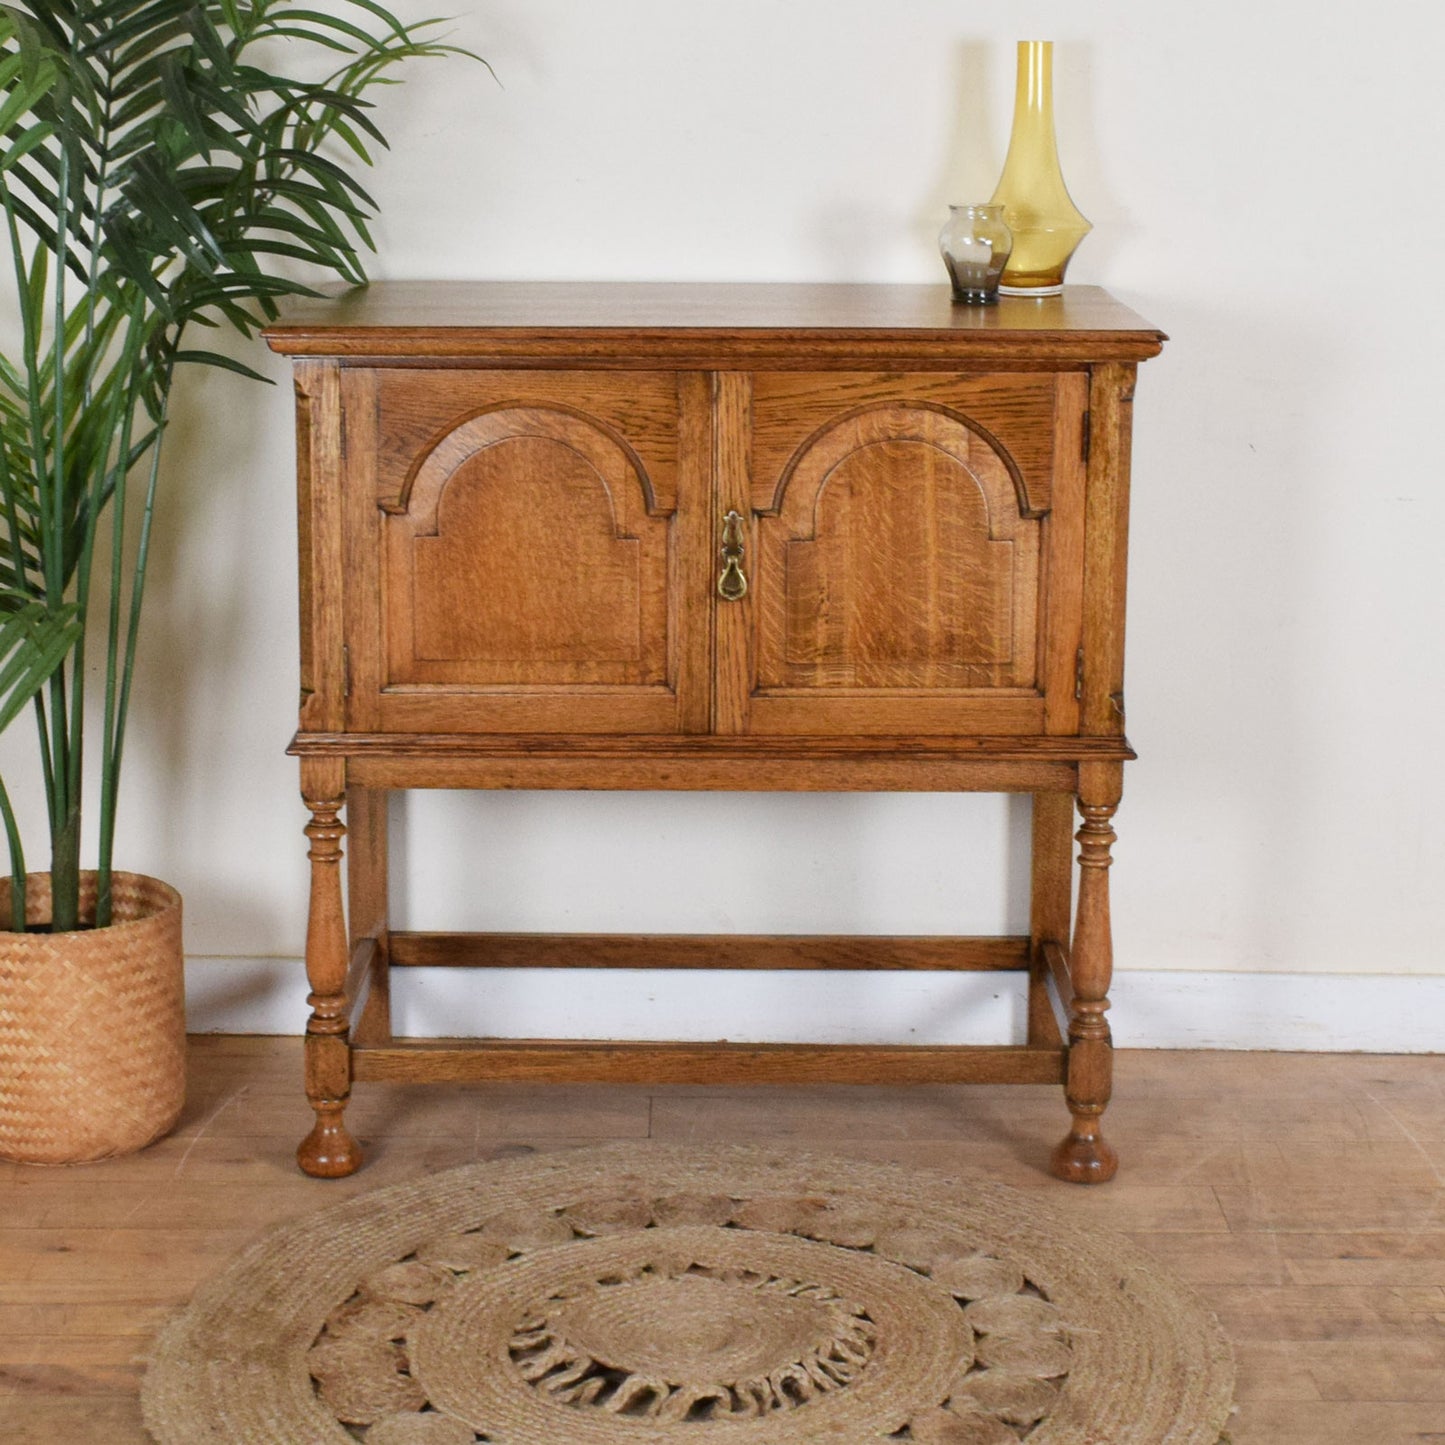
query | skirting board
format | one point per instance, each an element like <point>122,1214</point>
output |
<point>1154,1009</point>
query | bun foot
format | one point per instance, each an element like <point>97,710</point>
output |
<point>1085,1156</point>
<point>328,1151</point>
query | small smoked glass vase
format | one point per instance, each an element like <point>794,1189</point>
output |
<point>975,244</point>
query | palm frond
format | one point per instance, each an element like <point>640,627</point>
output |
<point>158,170</point>
<point>33,642</point>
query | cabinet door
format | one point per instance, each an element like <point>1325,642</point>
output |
<point>914,554</point>
<point>519,552</point>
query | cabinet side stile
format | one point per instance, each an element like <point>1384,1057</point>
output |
<point>1062,631</point>
<point>361,555</point>
<point>1106,542</point>
<point>319,523</point>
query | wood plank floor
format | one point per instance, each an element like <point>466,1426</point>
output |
<point>1302,1195</point>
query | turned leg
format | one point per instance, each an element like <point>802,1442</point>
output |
<point>328,1151</point>
<point>1085,1156</point>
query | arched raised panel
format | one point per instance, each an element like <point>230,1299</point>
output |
<point>494,585</point>
<point>899,558</point>
<point>523,550</point>
<point>889,581</point>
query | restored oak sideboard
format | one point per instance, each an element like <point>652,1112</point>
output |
<point>716,537</point>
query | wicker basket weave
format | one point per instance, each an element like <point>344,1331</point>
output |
<point>92,1025</point>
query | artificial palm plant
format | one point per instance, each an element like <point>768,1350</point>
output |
<point>163,166</point>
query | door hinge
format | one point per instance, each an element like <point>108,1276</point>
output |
<point>345,670</point>
<point>341,435</point>
<point>1087,435</point>
<point>1079,675</point>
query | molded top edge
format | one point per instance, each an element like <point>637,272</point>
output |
<point>416,318</point>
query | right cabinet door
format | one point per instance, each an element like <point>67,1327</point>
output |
<point>914,552</point>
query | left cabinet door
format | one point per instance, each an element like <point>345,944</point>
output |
<point>517,551</point>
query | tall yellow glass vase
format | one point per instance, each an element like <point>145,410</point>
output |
<point>1047,226</point>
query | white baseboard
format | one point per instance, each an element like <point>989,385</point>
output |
<point>1156,1009</point>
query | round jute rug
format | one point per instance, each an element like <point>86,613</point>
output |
<point>648,1295</point>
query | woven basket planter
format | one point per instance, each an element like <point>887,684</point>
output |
<point>92,1025</point>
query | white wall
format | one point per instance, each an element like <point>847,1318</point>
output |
<point>1265,184</point>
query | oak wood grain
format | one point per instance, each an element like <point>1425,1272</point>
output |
<point>1022,748</point>
<point>1061,597</point>
<point>1050,907</point>
<point>692,558</point>
<point>368,902</point>
<point>1106,539</point>
<point>585,1061</point>
<point>734,633</point>
<point>1022,764</point>
<point>899,559</point>
<point>529,560</point>
<point>709,326</point>
<point>1056,961</point>
<point>765,772</point>
<point>320,534</point>
<point>361,974</point>
<point>791,411</point>
<point>751,951</point>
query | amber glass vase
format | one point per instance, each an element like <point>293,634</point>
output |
<point>1047,226</point>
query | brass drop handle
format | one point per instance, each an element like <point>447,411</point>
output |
<point>732,585</point>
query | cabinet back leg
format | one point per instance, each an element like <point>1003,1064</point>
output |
<point>1051,904</point>
<point>367,914</point>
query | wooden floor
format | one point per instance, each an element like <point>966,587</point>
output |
<point>1303,1196</point>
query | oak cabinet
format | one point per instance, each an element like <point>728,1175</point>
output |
<point>711,537</point>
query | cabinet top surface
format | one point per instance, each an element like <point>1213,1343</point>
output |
<point>675,320</point>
